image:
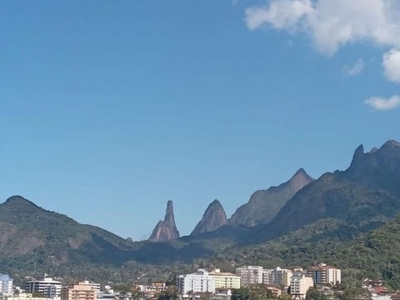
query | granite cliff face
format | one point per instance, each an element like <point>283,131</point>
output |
<point>166,230</point>
<point>264,205</point>
<point>214,217</point>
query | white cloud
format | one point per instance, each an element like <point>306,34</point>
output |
<point>283,14</point>
<point>332,23</point>
<point>355,69</point>
<point>391,65</point>
<point>379,103</point>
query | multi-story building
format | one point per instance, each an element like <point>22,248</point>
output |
<point>299,285</point>
<point>6,284</point>
<point>47,287</point>
<point>81,291</point>
<point>93,285</point>
<point>250,275</point>
<point>198,282</point>
<point>266,276</point>
<point>225,280</point>
<point>324,274</point>
<point>280,276</point>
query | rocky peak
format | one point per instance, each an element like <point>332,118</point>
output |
<point>358,155</point>
<point>20,203</point>
<point>169,214</point>
<point>300,179</point>
<point>265,204</point>
<point>390,153</point>
<point>392,143</point>
<point>359,152</point>
<point>379,168</point>
<point>387,156</point>
<point>214,217</point>
<point>166,230</point>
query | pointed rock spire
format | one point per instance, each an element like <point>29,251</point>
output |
<point>169,214</point>
<point>214,217</point>
<point>358,154</point>
<point>166,230</point>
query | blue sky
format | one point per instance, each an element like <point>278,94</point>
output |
<point>111,108</point>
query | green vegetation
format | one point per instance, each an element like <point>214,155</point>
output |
<point>171,293</point>
<point>315,294</point>
<point>255,292</point>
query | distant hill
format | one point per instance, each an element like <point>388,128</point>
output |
<point>264,205</point>
<point>33,240</point>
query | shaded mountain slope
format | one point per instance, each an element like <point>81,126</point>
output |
<point>265,204</point>
<point>332,196</point>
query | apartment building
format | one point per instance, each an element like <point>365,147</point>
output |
<point>47,287</point>
<point>299,285</point>
<point>250,275</point>
<point>324,274</point>
<point>225,280</point>
<point>280,276</point>
<point>81,291</point>
<point>198,282</point>
<point>6,284</point>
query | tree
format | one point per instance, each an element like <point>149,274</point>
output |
<point>241,294</point>
<point>171,293</point>
<point>285,297</point>
<point>314,294</point>
<point>352,293</point>
<point>261,292</point>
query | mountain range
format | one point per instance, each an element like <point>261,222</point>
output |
<point>303,215</point>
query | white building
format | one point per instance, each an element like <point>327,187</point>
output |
<point>47,287</point>
<point>299,285</point>
<point>250,275</point>
<point>6,284</point>
<point>199,282</point>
